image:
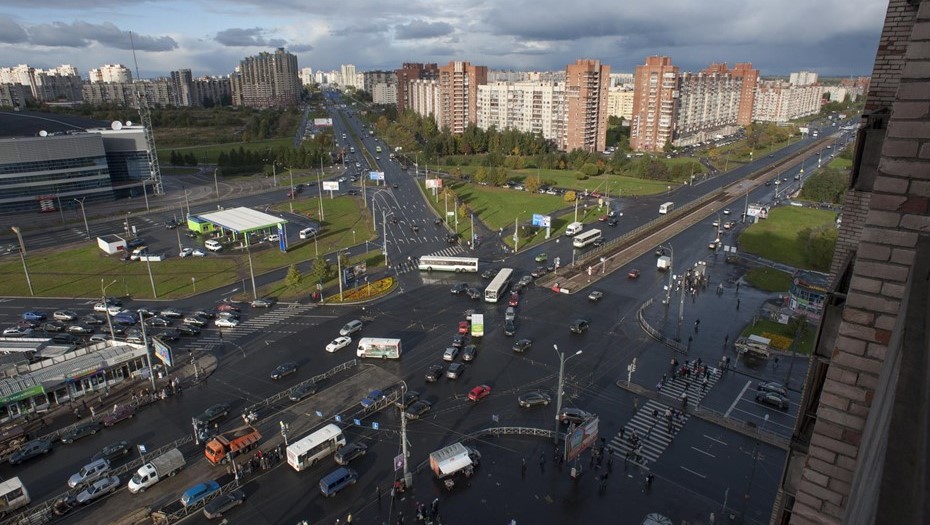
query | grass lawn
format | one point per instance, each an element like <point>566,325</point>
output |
<point>773,330</point>
<point>768,279</point>
<point>776,237</point>
<point>568,179</point>
<point>211,153</point>
<point>374,261</point>
<point>840,163</point>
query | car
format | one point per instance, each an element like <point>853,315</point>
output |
<point>92,319</point>
<point>223,503</point>
<point>66,339</point>
<point>351,327</point>
<point>17,331</point>
<point>196,320</point>
<point>158,321</point>
<point>716,223</point>
<point>538,272</point>
<point>338,343</point>
<point>726,211</point>
<point>274,237</point>
<point>199,492</point>
<point>284,369</point>
<point>213,414</point>
<point>458,341</point>
<point>522,345</point>
<point>598,243</point>
<point>171,224</point>
<point>509,328</point>
<point>206,314</point>
<point>458,288</point>
<point>612,222</point>
<point>113,452</point>
<point>64,315</point>
<point>51,326</point>
<point>172,313</point>
<point>301,391</point>
<point>603,218</point>
<point>80,431</point>
<point>119,413</point>
<point>227,307</point>
<point>479,392</point>
<point>771,386</point>
<point>373,397</point>
<point>474,293</point>
<point>261,303</point>
<point>409,398</point>
<point>450,353</point>
<point>226,323</point>
<point>146,313</point>
<point>80,329</point>
<point>186,252</point>
<point>774,399</point>
<point>125,318</point>
<point>595,296</point>
<point>534,398</point>
<point>198,253</point>
<point>573,415</point>
<point>526,280</point>
<point>541,257</point>
<point>633,274</point>
<point>433,373</point>
<point>455,370</point>
<point>579,326</point>
<point>99,338</point>
<point>188,330</point>
<point>418,409</point>
<point>488,274</point>
<point>190,234</point>
<point>469,353</point>
<point>452,238</point>
<point>29,450</point>
<point>514,299</point>
<point>463,327</point>
<point>349,452</point>
<point>33,315</point>
<point>97,489</point>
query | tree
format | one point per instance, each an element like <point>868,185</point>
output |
<point>293,277</point>
<point>463,211</point>
<point>532,184</point>
<point>321,269</point>
<point>569,196</point>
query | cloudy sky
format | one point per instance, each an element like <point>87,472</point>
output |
<point>831,37</point>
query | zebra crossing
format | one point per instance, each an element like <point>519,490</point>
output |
<point>410,265</point>
<point>281,313</point>
<point>653,430</point>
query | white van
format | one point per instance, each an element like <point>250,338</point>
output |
<point>573,229</point>
<point>213,245</point>
<point>307,233</point>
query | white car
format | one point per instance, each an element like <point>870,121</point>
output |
<point>185,252</point>
<point>273,238</point>
<point>338,343</point>
<point>223,322</point>
<point>111,309</point>
<point>199,253</point>
<point>17,331</point>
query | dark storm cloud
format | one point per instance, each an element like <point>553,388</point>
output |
<point>417,29</point>
<point>11,32</point>
<point>247,37</point>
<point>83,34</point>
<point>299,48</point>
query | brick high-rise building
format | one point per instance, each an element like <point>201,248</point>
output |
<point>407,73</point>
<point>586,85</point>
<point>458,95</point>
<point>655,96</point>
<point>858,453</point>
<point>267,80</point>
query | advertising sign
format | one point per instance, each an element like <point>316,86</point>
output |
<point>580,438</point>
<point>360,269</point>
<point>330,185</point>
<point>320,122</point>
<point>757,210</point>
<point>162,352</point>
<point>282,238</point>
<point>542,221</point>
<point>434,183</point>
<point>375,175</point>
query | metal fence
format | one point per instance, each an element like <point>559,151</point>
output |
<point>257,407</point>
<point>657,335</point>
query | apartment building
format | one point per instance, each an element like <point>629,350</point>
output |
<point>62,83</point>
<point>527,106</point>
<point>423,97</point>
<point>802,78</point>
<point>655,97</point>
<point>267,80</point>
<point>779,101</point>
<point>458,95</point>
<point>116,73</point>
<point>620,102</point>
<point>182,87</point>
<point>708,106</point>
<point>347,76</point>
<point>409,72</point>
<point>371,78</point>
<point>384,93</point>
<point>586,83</point>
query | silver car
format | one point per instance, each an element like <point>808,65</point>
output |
<point>99,488</point>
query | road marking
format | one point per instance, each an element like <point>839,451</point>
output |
<point>735,401</point>
<point>703,452</point>
<point>715,439</point>
<point>695,473</point>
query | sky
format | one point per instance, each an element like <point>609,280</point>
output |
<point>210,37</point>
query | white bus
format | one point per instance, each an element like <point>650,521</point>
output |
<point>498,285</point>
<point>585,238</point>
<point>379,347</point>
<point>429,263</point>
<point>667,207</point>
<point>307,451</point>
<point>13,495</point>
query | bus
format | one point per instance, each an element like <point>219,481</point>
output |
<point>429,263</point>
<point>308,450</point>
<point>13,496</point>
<point>585,238</point>
<point>498,286</point>
<point>379,347</point>
<point>667,207</point>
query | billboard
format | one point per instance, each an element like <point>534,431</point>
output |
<point>330,185</point>
<point>543,221</point>
<point>434,183</point>
<point>375,175</point>
<point>757,210</point>
<point>580,438</point>
<point>162,351</point>
<point>282,237</point>
<point>322,122</point>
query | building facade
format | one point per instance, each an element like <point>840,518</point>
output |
<point>382,93</point>
<point>802,78</point>
<point>423,97</point>
<point>708,105</point>
<point>267,80</point>
<point>458,95</point>
<point>586,84</point>
<point>372,78</point>
<point>620,103</point>
<point>58,84</point>
<point>306,76</point>
<point>655,97</point>
<point>778,101</point>
<point>111,73</point>
<point>182,88</point>
<point>530,107</point>
<point>347,76</point>
<point>409,72</point>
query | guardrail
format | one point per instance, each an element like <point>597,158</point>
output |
<point>500,431</point>
<point>319,378</point>
<point>657,335</point>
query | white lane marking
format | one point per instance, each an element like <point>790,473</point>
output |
<point>702,476</point>
<point>715,439</point>
<point>703,452</point>
<point>735,401</point>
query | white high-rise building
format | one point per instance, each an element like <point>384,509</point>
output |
<point>306,76</point>
<point>778,101</point>
<point>620,102</point>
<point>527,106</point>
<point>384,93</point>
<point>423,95</point>
<point>111,73</point>
<point>348,76</point>
<point>802,78</point>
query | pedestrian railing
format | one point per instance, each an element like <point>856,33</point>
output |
<point>319,378</point>
<point>657,335</point>
<point>501,431</point>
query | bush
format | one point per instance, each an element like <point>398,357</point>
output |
<point>590,170</point>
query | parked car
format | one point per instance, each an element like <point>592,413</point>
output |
<point>98,489</point>
<point>579,326</point>
<point>29,450</point>
<point>514,299</point>
<point>223,503</point>
<point>595,296</point>
<point>463,327</point>
<point>433,373</point>
<point>458,341</point>
<point>227,307</point>
<point>51,326</point>
<point>534,398</point>
<point>771,386</point>
<point>469,353</point>
<point>113,452</point>
<point>633,274</point>
<point>450,353</point>
<point>479,392</point>
<point>92,319</point>
<point>774,399</point>
<point>455,370</point>
<point>510,328</point>
<point>80,431</point>
<point>409,398</point>
<point>188,329</point>
<point>373,397</point>
<point>205,314</point>
<point>17,331</point>
<point>301,391</point>
<point>199,492</point>
<point>284,369</point>
<point>119,413</point>
<point>474,293</point>
<point>573,415</point>
<point>66,339</point>
<point>213,414</point>
<point>522,345</point>
<point>172,313</point>
<point>418,409</point>
<point>64,315</point>
<point>33,315</point>
<point>185,252</point>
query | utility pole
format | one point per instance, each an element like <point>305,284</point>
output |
<point>145,193</point>
<point>148,264</point>
<point>103,298</point>
<point>319,185</point>
<point>216,184</point>
<point>251,270</point>
<point>384,236</point>
<point>86,227</point>
<point>576,208</point>
<point>22,256</point>
<point>516,235</point>
<point>408,477</point>
<point>339,272</point>
<point>558,402</point>
<point>148,353</point>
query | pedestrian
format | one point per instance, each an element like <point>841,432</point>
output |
<point>704,385</point>
<point>737,286</point>
<point>378,490</point>
<point>523,469</point>
<point>635,403</point>
<point>610,463</point>
<point>591,464</point>
<point>664,378</point>
<point>93,413</point>
<point>737,304</point>
<point>622,430</point>
<point>659,387</point>
<point>697,325</point>
<point>349,518</point>
<point>655,413</point>
<point>775,364</point>
<point>542,463</point>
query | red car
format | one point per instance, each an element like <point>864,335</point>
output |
<point>514,299</point>
<point>227,307</point>
<point>119,413</point>
<point>603,218</point>
<point>633,274</point>
<point>479,392</point>
<point>596,194</point>
<point>463,327</point>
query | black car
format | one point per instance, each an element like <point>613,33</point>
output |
<point>474,293</point>
<point>522,345</point>
<point>611,222</point>
<point>488,274</point>
<point>171,224</point>
<point>135,243</point>
<point>455,370</point>
<point>409,398</point>
<point>433,373</point>
<point>573,415</point>
<point>535,398</point>
<point>774,399</point>
<point>509,328</point>
<point>188,329</point>
<point>301,391</point>
<point>469,353</point>
<point>113,452</point>
<point>416,410</point>
<point>580,326</point>
<point>66,339</point>
<point>52,326</point>
<point>80,431</point>
<point>213,414</point>
<point>223,503</point>
<point>196,320</point>
<point>169,334</point>
<point>458,341</point>
<point>771,386</point>
<point>158,321</point>
<point>206,314</point>
<point>190,234</point>
<point>458,288</point>
<point>284,369</point>
<point>452,238</point>
<point>350,452</point>
<point>29,450</point>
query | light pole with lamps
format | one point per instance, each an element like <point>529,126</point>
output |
<point>558,395</point>
<point>22,255</point>
<point>216,184</point>
<point>106,307</point>
<point>251,270</point>
<point>671,267</point>
<point>86,227</point>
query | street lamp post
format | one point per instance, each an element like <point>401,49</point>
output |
<point>558,398</point>
<point>671,266</point>
<point>22,256</point>
<point>284,430</point>
<point>86,227</point>
<point>251,270</point>
<point>216,184</point>
<point>106,307</point>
